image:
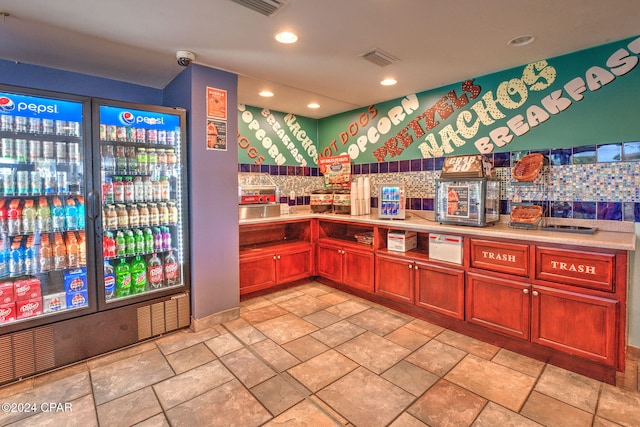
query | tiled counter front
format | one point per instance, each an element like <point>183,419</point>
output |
<point>553,296</point>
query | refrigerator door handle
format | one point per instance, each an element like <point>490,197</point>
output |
<point>94,205</point>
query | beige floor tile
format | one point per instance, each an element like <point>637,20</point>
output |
<point>494,382</point>
<point>468,344</point>
<point>373,352</point>
<point>304,414</point>
<point>338,333</point>
<point>189,358</point>
<point>446,404</point>
<point>81,414</point>
<point>275,355</point>
<point>315,289</point>
<point>365,399</point>
<point>322,370</point>
<point>601,422</point>
<point>255,303</point>
<point>436,357</point>
<point>378,321</point>
<point>348,308</point>
<point>411,378</point>
<point>518,362</point>
<point>425,328</point>
<point>18,387</point>
<point>569,387</point>
<point>334,298</point>
<point>304,305</point>
<point>128,375</point>
<point>494,415</point>
<point>121,354</point>
<point>59,374</point>
<point>407,420</point>
<point>261,314</point>
<point>180,388</point>
<point>183,339</point>
<point>234,407</point>
<point>306,347</point>
<point>156,421</point>
<point>129,409</point>
<point>248,368</point>
<point>407,338</point>
<point>619,405</point>
<point>277,395</point>
<point>551,412</point>
<point>281,296</point>
<point>249,335</point>
<point>285,328</point>
<point>223,344</point>
<point>322,318</point>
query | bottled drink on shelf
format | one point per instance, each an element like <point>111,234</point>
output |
<point>46,254</point>
<point>138,275</point>
<point>170,269</point>
<point>43,218</point>
<point>59,252</point>
<point>132,161</point>
<point>110,217</point>
<point>165,188</point>
<point>108,245</point>
<point>143,212</point>
<point>138,189</point>
<point>148,189</point>
<point>82,248</point>
<point>3,216</point>
<point>73,251</point>
<point>129,243</point>
<point>108,190</point>
<point>109,281</point>
<point>143,167</point>
<point>154,214</point>
<point>71,215</point>
<point>108,159</point>
<point>123,278</point>
<point>121,160</point>
<point>14,217</point>
<point>123,216</point>
<point>4,257</point>
<point>16,257</point>
<point>118,189</point>
<point>121,245</point>
<point>134,215</point>
<point>29,214</point>
<point>139,238</point>
<point>129,195</point>
<point>157,239</point>
<point>30,257</point>
<point>166,238</point>
<point>80,207</point>
<point>148,240</point>
<point>155,272</point>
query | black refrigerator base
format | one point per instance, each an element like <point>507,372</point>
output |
<point>37,350</point>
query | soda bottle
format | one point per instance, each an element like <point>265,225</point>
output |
<point>43,216</point>
<point>139,238</point>
<point>138,275</point>
<point>28,217</point>
<point>80,212</point>
<point>16,257</point>
<point>73,251</point>
<point>155,272</point>
<point>71,215</point>
<point>57,215</point>
<point>82,248</point>
<point>170,269</point>
<point>157,239</point>
<point>123,278</point>
<point>129,243</point>
<point>59,253</point>
<point>30,257</point>
<point>148,240</point>
<point>121,244</point>
<point>46,255</point>
<point>14,217</point>
<point>108,159</point>
<point>3,216</point>
<point>132,160</point>
<point>109,281</point>
<point>166,238</point>
<point>121,160</point>
<point>4,258</point>
<point>142,161</point>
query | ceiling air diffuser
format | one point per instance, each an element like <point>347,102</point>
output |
<point>264,7</point>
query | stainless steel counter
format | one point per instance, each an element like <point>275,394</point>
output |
<point>610,234</point>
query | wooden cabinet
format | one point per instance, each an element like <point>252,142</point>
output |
<point>395,278</point>
<point>499,304</point>
<point>347,265</point>
<point>440,289</point>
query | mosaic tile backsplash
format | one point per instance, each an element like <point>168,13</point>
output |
<point>595,182</point>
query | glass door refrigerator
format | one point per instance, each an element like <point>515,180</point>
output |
<point>143,207</point>
<point>45,238</point>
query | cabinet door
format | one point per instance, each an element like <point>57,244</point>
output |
<point>440,289</point>
<point>575,323</point>
<point>330,262</point>
<point>499,304</point>
<point>358,269</point>
<point>257,273</point>
<point>394,279</point>
<point>293,265</point>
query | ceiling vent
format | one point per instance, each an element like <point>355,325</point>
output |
<point>265,7</point>
<point>379,57</point>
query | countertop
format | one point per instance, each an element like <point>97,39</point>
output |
<point>609,234</point>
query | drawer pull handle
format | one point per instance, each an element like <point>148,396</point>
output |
<point>526,291</point>
<point>535,293</point>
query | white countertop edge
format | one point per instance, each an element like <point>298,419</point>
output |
<point>620,240</point>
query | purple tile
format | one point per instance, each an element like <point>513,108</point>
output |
<point>405,165</point>
<point>299,200</point>
<point>315,172</point>
<point>364,168</point>
<point>415,203</point>
<point>254,168</point>
<point>383,167</point>
<point>374,167</point>
<point>504,207</point>
<point>374,202</point>
<point>428,164</point>
<point>502,160</point>
<point>244,167</point>
<point>284,199</point>
<point>307,200</point>
<point>610,211</point>
<point>264,168</point>
<point>306,171</point>
<point>355,169</point>
<point>291,171</point>
<point>416,165</point>
<point>273,170</point>
<point>584,210</point>
<point>428,204</point>
<point>393,166</point>
<point>560,156</point>
<point>282,170</point>
<point>439,161</point>
<point>637,211</point>
<point>561,210</point>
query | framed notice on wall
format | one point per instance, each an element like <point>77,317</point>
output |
<point>216,119</point>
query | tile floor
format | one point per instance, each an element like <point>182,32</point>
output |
<point>314,356</point>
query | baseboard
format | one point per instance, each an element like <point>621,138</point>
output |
<point>633,352</point>
<point>214,319</point>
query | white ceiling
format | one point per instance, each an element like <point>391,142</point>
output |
<point>437,42</point>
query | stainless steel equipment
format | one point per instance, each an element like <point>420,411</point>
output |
<point>258,196</point>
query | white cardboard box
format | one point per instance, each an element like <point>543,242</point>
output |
<point>402,241</point>
<point>444,247</point>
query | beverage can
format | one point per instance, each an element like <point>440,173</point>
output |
<point>20,124</point>
<point>9,182</point>
<point>141,135</point>
<point>36,182</point>
<point>21,150</point>
<point>7,148</point>
<point>6,123</point>
<point>74,152</point>
<point>152,136</point>
<point>61,152</point>
<point>35,125</point>
<point>47,150</point>
<point>50,184</point>
<point>48,126</point>
<point>61,177</point>
<point>61,127</point>
<point>35,150</point>
<point>22,181</point>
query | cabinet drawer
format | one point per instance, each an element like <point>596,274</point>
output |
<point>580,268</point>
<point>507,258</point>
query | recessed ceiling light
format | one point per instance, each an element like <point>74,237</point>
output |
<point>388,82</point>
<point>521,40</point>
<point>313,105</point>
<point>286,37</point>
<point>266,93</point>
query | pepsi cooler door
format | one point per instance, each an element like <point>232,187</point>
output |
<point>142,203</point>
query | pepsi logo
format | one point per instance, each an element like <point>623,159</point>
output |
<point>78,300</point>
<point>6,104</point>
<point>127,118</point>
<point>76,284</point>
<point>55,304</point>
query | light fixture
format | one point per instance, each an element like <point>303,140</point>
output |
<point>521,40</point>
<point>388,81</point>
<point>266,93</point>
<point>286,37</point>
<point>313,105</point>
